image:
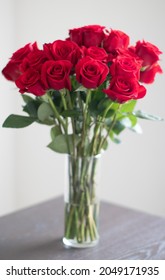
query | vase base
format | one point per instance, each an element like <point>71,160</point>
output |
<point>74,244</point>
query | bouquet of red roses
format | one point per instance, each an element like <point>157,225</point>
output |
<point>93,78</point>
<point>86,78</point>
<point>85,88</point>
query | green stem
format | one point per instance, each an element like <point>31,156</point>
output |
<point>96,130</point>
<point>103,141</point>
<point>56,113</point>
<point>68,223</point>
<point>72,121</point>
<point>80,101</point>
<point>63,99</point>
<point>85,119</point>
<point>79,120</point>
<point>65,107</point>
<point>81,211</point>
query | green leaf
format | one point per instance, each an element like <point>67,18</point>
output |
<point>97,103</point>
<point>64,143</point>
<point>55,131</point>
<point>31,108</point>
<point>81,88</point>
<point>16,121</point>
<point>105,146</point>
<point>103,104</point>
<point>143,115</point>
<point>121,124</point>
<point>27,98</point>
<point>133,119</point>
<point>118,127</point>
<point>44,112</point>
<point>71,113</point>
<point>126,122</point>
<point>59,144</point>
<point>128,106</point>
<point>114,139</point>
<point>49,122</point>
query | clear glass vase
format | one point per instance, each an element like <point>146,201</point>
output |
<point>82,202</point>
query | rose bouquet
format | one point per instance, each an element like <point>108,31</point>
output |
<point>85,88</point>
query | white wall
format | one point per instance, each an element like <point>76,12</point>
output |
<point>7,104</point>
<point>133,172</point>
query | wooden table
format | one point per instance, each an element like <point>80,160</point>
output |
<point>36,233</point>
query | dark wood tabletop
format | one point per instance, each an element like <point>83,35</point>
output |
<point>36,233</point>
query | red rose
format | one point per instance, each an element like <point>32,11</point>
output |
<point>33,60</point>
<point>12,69</point>
<point>148,75</point>
<point>125,65</point>
<point>55,74</point>
<point>147,52</point>
<point>114,41</point>
<point>91,73</point>
<point>63,50</point>
<point>122,89</point>
<point>96,53</point>
<point>90,35</point>
<point>30,82</point>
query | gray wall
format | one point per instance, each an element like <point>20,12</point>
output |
<point>133,173</point>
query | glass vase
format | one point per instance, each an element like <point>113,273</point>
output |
<point>81,197</point>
